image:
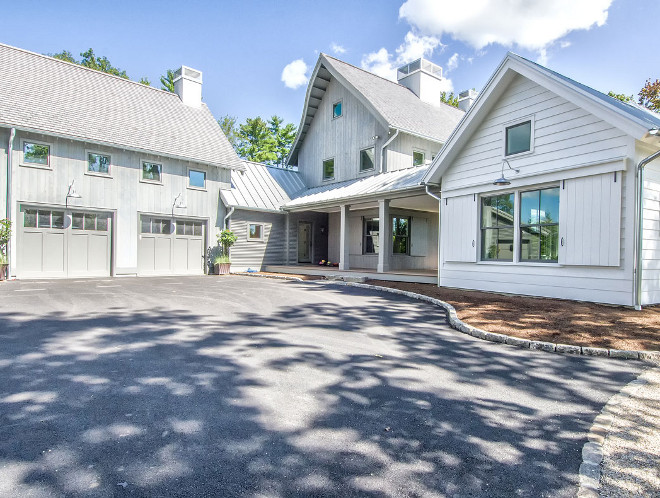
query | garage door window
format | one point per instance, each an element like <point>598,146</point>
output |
<point>33,218</point>
<point>193,228</point>
<point>89,221</point>
<point>153,225</point>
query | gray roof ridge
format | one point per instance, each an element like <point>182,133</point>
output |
<point>78,66</point>
<point>272,166</point>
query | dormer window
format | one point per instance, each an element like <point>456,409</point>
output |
<point>518,138</point>
<point>418,158</point>
<point>337,109</point>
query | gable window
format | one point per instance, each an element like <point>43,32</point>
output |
<point>36,154</point>
<point>367,159</point>
<point>539,225</point>
<point>255,231</point>
<point>196,179</point>
<point>418,158</point>
<point>401,235</point>
<point>152,172</point>
<point>497,228</point>
<point>337,109</point>
<point>329,169</point>
<point>98,163</point>
<point>370,236</point>
<point>518,138</point>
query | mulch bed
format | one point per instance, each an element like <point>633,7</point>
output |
<point>545,319</point>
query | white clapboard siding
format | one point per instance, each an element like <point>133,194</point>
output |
<point>590,220</point>
<point>459,220</point>
<point>651,241</point>
<point>419,236</point>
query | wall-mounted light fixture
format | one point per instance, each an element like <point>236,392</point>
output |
<point>71,194</point>
<point>502,181</point>
<point>178,203</point>
<point>375,137</point>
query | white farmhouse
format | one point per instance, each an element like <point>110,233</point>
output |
<point>541,192</point>
<point>105,176</point>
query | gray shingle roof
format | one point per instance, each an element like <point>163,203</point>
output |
<point>54,97</point>
<point>262,187</point>
<point>387,182</point>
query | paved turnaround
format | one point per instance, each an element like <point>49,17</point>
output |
<point>236,386</point>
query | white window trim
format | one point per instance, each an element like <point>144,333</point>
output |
<point>250,239</point>
<point>515,122</point>
<point>48,166</point>
<point>373,168</point>
<point>323,169</point>
<point>412,157</point>
<point>206,178</point>
<point>332,109</point>
<point>94,173</point>
<point>152,182</point>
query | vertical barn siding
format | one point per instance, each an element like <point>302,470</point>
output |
<point>334,225</point>
<point>122,192</point>
<point>4,142</point>
<point>399,152</point>
<point>256,254</point>
<point>320,244</point>
<point>651,241</point>
<point>565,137</point>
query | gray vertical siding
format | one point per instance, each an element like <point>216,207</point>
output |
<point>256,254</point>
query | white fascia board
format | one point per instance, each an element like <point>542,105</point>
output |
<point>389,194</point>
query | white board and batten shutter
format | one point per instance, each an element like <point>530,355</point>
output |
<point>590,220</point>
<point>459,221</point>
<point>419,234</point>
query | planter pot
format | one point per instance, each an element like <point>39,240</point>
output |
<point>222,268</point>
<point>3,272</point>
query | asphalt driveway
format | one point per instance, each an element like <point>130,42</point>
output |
<point>236,386</point>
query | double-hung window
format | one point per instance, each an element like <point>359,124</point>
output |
<point>497,227</point>
<point>370,243</point>
<point>400,235</point>
<point>539,225</point>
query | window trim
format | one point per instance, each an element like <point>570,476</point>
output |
<point>145,180</point>
<point>365,219</point>
<point>206,178</point>
<point>513,123</point>
<point>22,162</point>
<point>408,237</point>
<point>540,225</point>
<point>360,170</point>
<point>514,226</point>
<point>253,239</point>
<point>412,157</point>
<point>94,173</point>
<point>332,109</point>
<point>323,169</point>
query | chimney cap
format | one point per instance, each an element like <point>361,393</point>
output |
<point>420,64</point>
<point>188,73</point>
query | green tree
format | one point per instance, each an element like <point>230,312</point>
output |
<point>66,56</point>
<point>102,64</point>
<point>167,80</point>
<point>449,98</point>
<point>284,137</point>
<point>649,95</point>
<point>256,141</point>
<point>620,96</point>
<point>228,125</point>
<point>145,81</point>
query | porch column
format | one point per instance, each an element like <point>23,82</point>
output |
<point>344,239</point>
<point>287,227</point>
<point>384,236</point>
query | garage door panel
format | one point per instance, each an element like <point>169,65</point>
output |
<point>180,259</point>
<point>31,253</point>
<point>146,253</point>
<point>53,255</point>
<point>78,254</point>
<point>98,253</point>
<point>195,253</point>
<point>163,256</point>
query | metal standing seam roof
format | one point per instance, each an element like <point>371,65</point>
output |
<point>53,97</point>
<point>372,185</point>
<point>262,187</point>
<point>395,104</point>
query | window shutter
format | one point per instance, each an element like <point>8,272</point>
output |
<point>419,236</point>
<point>590,220</point>
<point>459,228</point>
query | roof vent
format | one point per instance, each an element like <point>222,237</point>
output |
<point>424,79</point>
<point>188,86</point>
<point>466,99</point>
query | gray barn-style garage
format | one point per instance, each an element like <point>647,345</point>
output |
<point>103,176</point>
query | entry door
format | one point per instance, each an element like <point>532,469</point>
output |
<point>304,242</point>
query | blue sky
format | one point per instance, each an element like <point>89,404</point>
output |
<point>243,47</point>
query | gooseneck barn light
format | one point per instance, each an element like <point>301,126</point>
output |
<point>502,181</point>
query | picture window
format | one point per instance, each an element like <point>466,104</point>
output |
<point>518,138</point>
<point>328,169</point>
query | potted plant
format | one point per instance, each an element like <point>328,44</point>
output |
<point>5,235</point>
<point>222,263</point>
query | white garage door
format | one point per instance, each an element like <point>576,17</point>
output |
<point>170,246</point>
<point>63,243</point>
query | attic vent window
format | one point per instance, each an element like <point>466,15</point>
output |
<point>336,110</point>
<point>518,138</point>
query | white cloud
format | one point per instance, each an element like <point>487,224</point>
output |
<point>452,63</point>
<point>529,24</point>
<point>294,74</point>
<point>413,47</point>
<point>337,49</point>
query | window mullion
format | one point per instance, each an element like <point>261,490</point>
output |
<point>516,227</point>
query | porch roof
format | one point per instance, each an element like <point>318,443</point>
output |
<point>395,181</point>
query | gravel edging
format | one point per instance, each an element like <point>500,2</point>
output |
<point>592,451</point>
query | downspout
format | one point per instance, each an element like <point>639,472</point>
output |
<point>10,149</point>
<point>428,192</point>
<point>382,149</point>
<point>639,226</point>
<point>226,221</point>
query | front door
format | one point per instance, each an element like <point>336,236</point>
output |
<point>304,242</point>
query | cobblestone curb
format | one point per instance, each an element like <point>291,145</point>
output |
<point>279,277</point>
<point>456,323</point>
<point>592,451</point>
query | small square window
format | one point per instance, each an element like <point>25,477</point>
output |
<point>367,159</point>
<point>255,231</point>
<point>336,110</point>
<point>36,154</point>
<point>418,158</point>
<point>518,138</point>
<point>30,218</point>
<point>145,224</point>
<point>43,219</point>
<point>196,179</point>
<point>77,221</point>
<point>152,172</point>
<point>58,219</point>
<point>102,223</point>
<point>90,222</point>
<point>328,169</point>
<point>98,163</point>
